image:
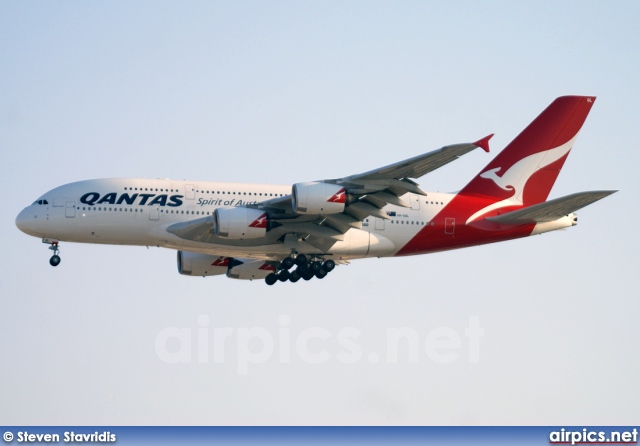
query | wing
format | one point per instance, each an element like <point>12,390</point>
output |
<point>551,210</point>
<point>367,194</point>
<point>420,165</point>
<point>377,188</point>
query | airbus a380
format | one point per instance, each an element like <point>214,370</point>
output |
<point>287,233</point>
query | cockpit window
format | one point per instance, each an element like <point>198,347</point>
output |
<point>41,202</point>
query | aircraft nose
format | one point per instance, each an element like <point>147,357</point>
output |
<point>27,221</point>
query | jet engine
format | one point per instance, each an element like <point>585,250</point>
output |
<point>318,198</point>
<point>196,264</point>
<point>239,223</point>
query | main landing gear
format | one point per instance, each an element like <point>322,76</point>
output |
<point>55,258</point>
<point>306,269</point>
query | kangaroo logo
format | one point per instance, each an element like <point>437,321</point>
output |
<point>260,222</point>
<point>338,197</point>
<point>516,177</point>
<point>221,261</point>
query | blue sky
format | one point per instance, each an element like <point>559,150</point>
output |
<point>283,92</point>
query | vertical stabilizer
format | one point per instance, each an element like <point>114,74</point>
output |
<point>524,172</point>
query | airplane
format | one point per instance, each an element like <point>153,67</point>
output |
<point>262,231</point>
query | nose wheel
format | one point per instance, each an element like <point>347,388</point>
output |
<point>55,258</point>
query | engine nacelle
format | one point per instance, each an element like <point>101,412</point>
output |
<point>239,223</point>
<point>318,198</point>
<point>196,264</point>
<point>250,269</point>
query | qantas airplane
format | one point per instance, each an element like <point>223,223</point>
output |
<point>287,233</point>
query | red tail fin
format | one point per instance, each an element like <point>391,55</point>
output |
<point>521,175</point>
<point>524,172</point>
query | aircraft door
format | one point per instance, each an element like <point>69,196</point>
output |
<point>189,191</point>
<point>154,213</point>
<point>379,224</point>
<point>415,202</point>
<point>449,225</point>
<point>70,209</point>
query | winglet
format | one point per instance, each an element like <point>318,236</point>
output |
<point>484,143</point>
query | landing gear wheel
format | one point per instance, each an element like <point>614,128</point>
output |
<point>287,263</point>
<point>328,266</point>
<point>301,259</point>
<point>283,275</point>
<point>55,258</point>
<point>302,268</point>
<point>315,266</point>
<point>321,274</point>
<point>294,276</point>
<point>271,279</point>
<point>308,275</point>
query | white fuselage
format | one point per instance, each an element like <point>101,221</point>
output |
<point>139,211</point>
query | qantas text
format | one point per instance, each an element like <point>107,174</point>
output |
<point>92,198</point>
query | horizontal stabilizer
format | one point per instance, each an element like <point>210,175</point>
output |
<point>551,210</point>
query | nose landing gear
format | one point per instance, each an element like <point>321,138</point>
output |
<point>55,258</point>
